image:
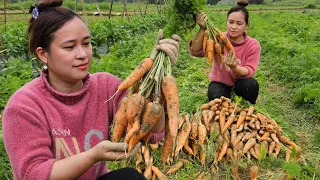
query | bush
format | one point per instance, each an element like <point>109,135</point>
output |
<point>256,1</point>
<point>311,6</point>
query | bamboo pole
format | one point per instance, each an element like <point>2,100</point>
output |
<point>75,7</point>
<point>5,14</point>
<point>145,10</point>
<point>156,3</point>
<point>139,8</point>
<point>125,9</point>
<point>111,3</point>
<point>84,11</point>
<point>98,8</point>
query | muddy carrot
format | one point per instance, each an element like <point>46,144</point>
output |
<point>222,119</point>
<point>228,123</point>
<point>203,155</point>
<point>202,133</point>
<point>175,167</point>
<point>223,151</point>
<point>182,136</point>
<point>120,121</point>
<point>210,50</point>
<point>187,147</point>
<point>151,116</point>
<point>254,172</point>
<point>250,143</point>
<point>241,118</point>
<point>158,173</point>
<point>170,92</point>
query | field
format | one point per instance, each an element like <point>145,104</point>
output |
<point>288,74</point>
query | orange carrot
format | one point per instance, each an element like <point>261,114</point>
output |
<point>202,133</point>
<point>158,173</point>
<point>286,140</point>
<point>120,121</point>
<point>194,127</point>
<point>170,91</point>
<point>205,106</point>
<point>182,136</point>
<point>241,118</point>
<point>271,148</point>
<point>277,149</point>
<point>203,155</point>
<point>218,50</point>
<point>238,139</point>
<point>265,136</point>
<point>151,116</point>
<point>175,167</point>
<point>210,50</point>
<point>154,147</point>
<point>134,110</point>
<point>181,121</point>
<point>136,74</point>
<point>148,171</point>
<point>168,143</point>
<point>235,172</point>
<point>187,147</point>
<point>223,151</point>
<point>254,172</point>
<point>222,119</point>
<point>250,143</point>
<point>251,135</point>
<point>228,123</point>
<point>274,137</point>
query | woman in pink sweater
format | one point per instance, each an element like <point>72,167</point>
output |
<point>247,51</point>
<point>57,125</point>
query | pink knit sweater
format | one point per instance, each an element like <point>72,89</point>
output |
<point>248,52</point>
<point>42,125</point>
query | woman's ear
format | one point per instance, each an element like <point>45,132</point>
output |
<point>42,54</point>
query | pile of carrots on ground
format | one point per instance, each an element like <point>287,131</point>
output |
<point>235,132</point>
<point>154,90</point>
<point>214,42</point>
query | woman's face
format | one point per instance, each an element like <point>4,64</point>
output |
<point>70,53</point>
<point>236,25</point>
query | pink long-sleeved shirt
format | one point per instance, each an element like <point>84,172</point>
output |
<point>42,125</point>
<point>248,52</point>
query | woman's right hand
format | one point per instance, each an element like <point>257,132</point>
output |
<point>201,20</point>
<point>109,151</point>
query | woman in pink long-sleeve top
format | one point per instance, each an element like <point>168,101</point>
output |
<point>247,51</point>
<point>57,126</point>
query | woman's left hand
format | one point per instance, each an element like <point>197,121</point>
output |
<point>231,60</point>
<point>169,46</point>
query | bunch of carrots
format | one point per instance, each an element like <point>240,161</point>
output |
<point>153,88</point>
<point>236,132</point>
<point>214,42</point>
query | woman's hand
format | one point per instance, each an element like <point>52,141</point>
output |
<point>201,20</point>
<point>169,46</point>
<point>109,151</point>
<point>230,60</point>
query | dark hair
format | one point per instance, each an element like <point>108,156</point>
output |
<point>52,16</point>
<point>240,7</point>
